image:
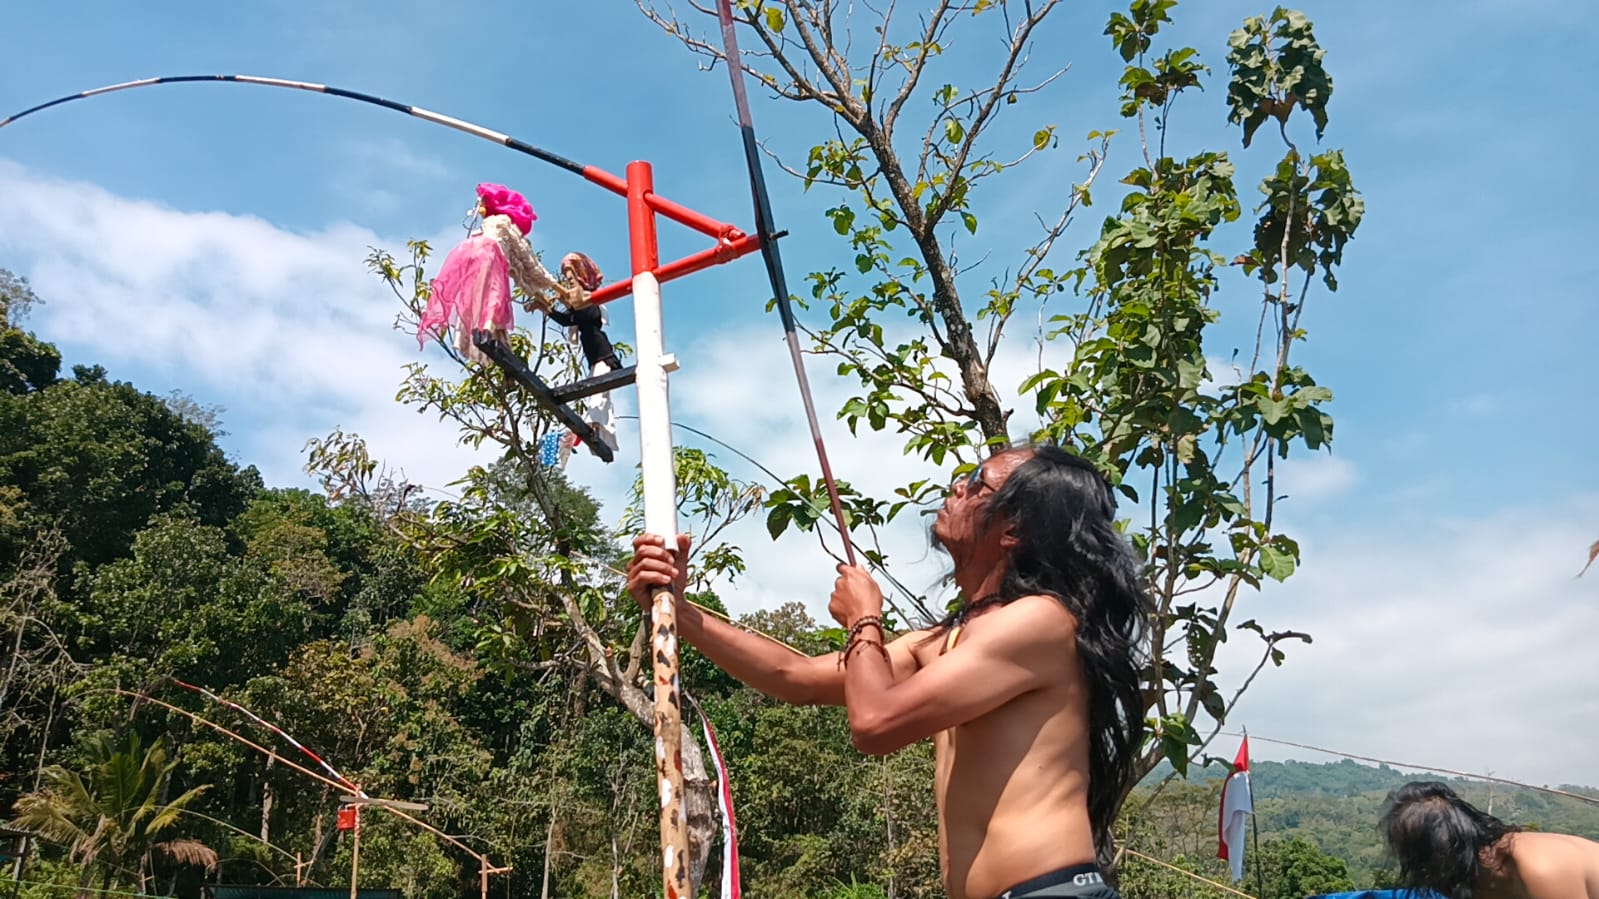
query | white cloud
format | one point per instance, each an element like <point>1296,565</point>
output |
<point>287,330</point>
<point>1467,645</point>
<point>1310,477</point>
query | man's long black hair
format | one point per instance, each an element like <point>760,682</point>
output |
<point>1440,839</point>
<point>1063,516</point>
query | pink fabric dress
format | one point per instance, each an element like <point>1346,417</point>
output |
<point>471,292</point>
<point>473,289</point>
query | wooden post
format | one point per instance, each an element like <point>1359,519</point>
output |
<point>660,518</point>
<point>355,853</point>
<point>484,871</point>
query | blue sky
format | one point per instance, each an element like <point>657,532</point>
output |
<point>1441,533</point>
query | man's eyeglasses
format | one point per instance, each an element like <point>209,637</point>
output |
<point>972,483</point>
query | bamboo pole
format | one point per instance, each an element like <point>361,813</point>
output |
<point>355,854</point>
<point>393,808</point>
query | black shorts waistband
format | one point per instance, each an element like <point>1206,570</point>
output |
<point>1086,874</point>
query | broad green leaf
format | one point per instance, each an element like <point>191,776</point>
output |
<point>1275,563</point>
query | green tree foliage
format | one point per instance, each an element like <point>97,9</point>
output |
<point>115,813</point>
<point>16,298</point>
<point>1124,371</point>
<point>1296,868</point>
<point>100,460</point>
<point>26,362</point>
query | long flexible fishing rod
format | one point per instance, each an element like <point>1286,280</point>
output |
<point>766,231</point>
<point>730,241</point>
<point>504,140</point>
<point>348,783</point>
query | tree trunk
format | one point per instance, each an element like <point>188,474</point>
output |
<point>549,846</point>
<point>266,801</point>
<point>699,790</point>
<point>616,868</point>
<point>959,345</point>
<point>16,653</point>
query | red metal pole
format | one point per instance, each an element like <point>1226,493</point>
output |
<point>677,212</point>
<point>641,218</point>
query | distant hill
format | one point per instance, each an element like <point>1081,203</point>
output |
<point>1337,804</point>
<point>1340,778</point>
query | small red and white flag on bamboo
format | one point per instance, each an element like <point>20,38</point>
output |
<point>1237,804</point>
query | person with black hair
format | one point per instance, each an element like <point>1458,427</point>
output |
<point>1449,846</point>
<point>1030,689</point>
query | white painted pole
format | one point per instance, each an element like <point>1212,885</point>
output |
<point>654,413</point>
<point>660,519</point>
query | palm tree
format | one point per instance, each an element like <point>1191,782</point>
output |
<point>110,815</point>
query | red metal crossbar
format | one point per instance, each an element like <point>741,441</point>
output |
<point>731,243</point>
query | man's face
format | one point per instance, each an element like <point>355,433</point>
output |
<point>961,523</point>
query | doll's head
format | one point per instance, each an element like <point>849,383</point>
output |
<point>580,270</point>
<point>497,199</point>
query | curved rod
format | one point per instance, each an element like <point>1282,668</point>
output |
<point>275,729</point>
<point>730,241</point>
<point>141,698</point>
<point>504,140</point>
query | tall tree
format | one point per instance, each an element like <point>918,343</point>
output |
<point>1123,360</point>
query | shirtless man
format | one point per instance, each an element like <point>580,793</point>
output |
<point>1030,691</point>
<point>1445,844</point>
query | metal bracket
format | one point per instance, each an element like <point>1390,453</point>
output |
<point>517,370</point>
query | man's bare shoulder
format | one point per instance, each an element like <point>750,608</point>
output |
<point>1537,843</point>
<point>1031,621</point>
<point>1556,865</point>
<point>1038,610</point>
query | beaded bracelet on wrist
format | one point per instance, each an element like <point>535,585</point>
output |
<point>856,639</point>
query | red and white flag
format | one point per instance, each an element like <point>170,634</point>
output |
<point>1237,804</point>
<point>731,888</point>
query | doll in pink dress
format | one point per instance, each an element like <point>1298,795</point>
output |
<point>473,287</point>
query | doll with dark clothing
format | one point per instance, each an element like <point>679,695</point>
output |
<point>590,324</point>
<point>585,326</point>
